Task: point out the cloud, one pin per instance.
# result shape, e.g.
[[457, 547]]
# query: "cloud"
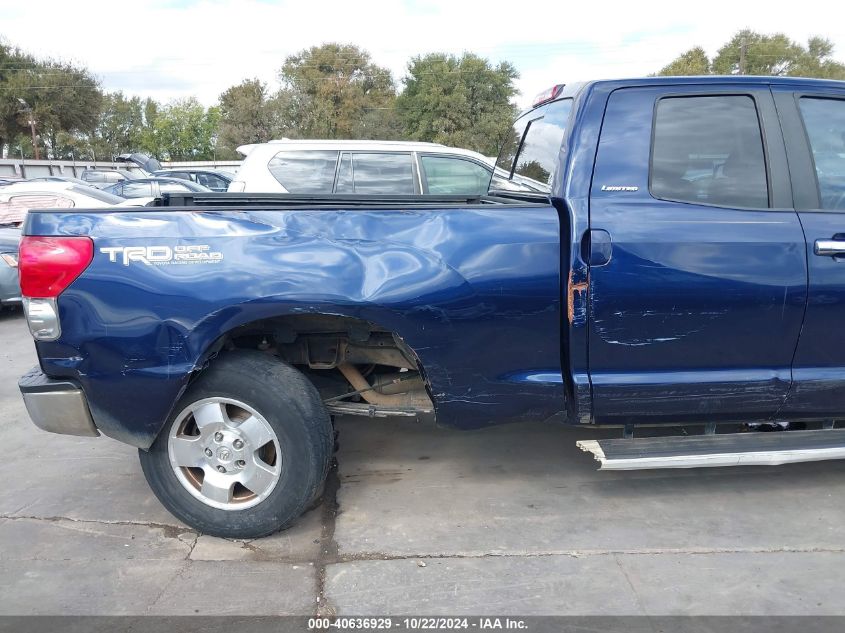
[[201, 47]]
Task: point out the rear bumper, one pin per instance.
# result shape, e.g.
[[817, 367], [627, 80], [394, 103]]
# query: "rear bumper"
[[58, 406]]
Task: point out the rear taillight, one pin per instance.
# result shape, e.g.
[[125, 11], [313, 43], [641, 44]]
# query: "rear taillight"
[[47, 266]]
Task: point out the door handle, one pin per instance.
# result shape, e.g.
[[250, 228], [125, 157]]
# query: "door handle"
[[829, 247]]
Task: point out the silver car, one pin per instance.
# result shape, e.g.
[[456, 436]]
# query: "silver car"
[[10, 291]]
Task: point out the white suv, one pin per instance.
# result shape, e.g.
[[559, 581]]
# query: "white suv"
[[369, 167]]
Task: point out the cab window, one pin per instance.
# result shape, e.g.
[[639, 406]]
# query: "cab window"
[[709, 150], [531, 150]]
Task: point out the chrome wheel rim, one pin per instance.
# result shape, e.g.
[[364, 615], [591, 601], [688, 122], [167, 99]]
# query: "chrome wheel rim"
[[225, 453]]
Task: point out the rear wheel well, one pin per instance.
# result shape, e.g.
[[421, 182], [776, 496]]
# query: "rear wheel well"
[[357, 366]]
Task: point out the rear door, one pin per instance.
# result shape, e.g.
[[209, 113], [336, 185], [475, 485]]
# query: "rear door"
[[697, 265], [814, 129]]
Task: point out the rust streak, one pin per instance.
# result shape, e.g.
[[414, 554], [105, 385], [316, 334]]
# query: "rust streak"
[[573, 288]]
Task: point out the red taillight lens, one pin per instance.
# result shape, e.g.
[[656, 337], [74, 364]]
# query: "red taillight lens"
[[48, 265]]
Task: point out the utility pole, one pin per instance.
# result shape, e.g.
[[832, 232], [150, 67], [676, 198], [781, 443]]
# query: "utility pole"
[[34, 142], [743, 46], [28, 110]]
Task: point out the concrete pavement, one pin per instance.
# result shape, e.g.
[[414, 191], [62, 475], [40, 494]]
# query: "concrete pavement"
[[418, 520]]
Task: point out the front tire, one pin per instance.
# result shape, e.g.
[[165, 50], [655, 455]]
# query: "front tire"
[[246, 449]]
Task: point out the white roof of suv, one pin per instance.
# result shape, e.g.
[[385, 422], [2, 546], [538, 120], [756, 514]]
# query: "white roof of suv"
[[394, 146], [254, 174]]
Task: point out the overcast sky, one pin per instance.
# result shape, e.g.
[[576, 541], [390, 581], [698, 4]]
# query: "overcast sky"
[[180, 48]]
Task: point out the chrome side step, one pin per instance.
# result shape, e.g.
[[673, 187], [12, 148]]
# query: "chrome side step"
[[730, 449]]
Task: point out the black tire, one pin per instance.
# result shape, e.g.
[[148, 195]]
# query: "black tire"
[[291, 406]]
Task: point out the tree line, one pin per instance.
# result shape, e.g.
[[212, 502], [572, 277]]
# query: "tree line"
[[332, 91]]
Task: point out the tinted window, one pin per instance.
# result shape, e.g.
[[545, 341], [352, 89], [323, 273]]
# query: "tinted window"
[[446, 175], [824, 120], [709, 150], [541, 132], [305, 172], [133, 189], [383, 173]]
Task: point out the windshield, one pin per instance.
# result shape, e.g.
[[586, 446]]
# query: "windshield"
[[530, 153]]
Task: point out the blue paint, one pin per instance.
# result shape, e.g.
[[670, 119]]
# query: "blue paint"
[[475, 292]]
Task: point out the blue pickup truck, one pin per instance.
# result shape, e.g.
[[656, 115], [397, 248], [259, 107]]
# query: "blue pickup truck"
[[669, 251]]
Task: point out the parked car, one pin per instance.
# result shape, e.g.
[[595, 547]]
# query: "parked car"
[[18, 198], [369, 167], [154, 187], [102, 178], [215, 180], [683, 264], [10, 289]]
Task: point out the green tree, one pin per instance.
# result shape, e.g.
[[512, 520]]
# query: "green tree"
[[462, 101], [249, 114], [693, 62], [63, 98], [773, 54], [336, 91], [14, 65], [60, 97], [120, 126], [181, 130]]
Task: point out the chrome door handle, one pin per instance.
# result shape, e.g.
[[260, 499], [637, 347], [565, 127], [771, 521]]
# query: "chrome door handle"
[[829, 247]]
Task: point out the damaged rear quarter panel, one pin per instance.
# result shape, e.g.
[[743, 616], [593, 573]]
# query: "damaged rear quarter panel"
[[474, 291]]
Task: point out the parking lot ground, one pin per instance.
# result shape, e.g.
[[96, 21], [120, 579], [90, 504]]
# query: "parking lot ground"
[[419, 520]]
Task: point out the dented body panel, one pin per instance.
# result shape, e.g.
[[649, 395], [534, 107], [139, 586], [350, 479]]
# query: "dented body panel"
[[474, 292]]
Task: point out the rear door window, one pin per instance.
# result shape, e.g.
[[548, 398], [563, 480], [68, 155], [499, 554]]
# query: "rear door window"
[[310, 171], [450, 175], [384, 173], [824, 120], [709, 150]]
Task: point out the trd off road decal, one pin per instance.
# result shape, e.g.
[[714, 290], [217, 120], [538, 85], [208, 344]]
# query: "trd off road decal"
[[163, 255]]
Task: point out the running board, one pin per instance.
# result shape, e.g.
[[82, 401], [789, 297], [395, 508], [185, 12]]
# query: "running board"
[[731, 449]]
